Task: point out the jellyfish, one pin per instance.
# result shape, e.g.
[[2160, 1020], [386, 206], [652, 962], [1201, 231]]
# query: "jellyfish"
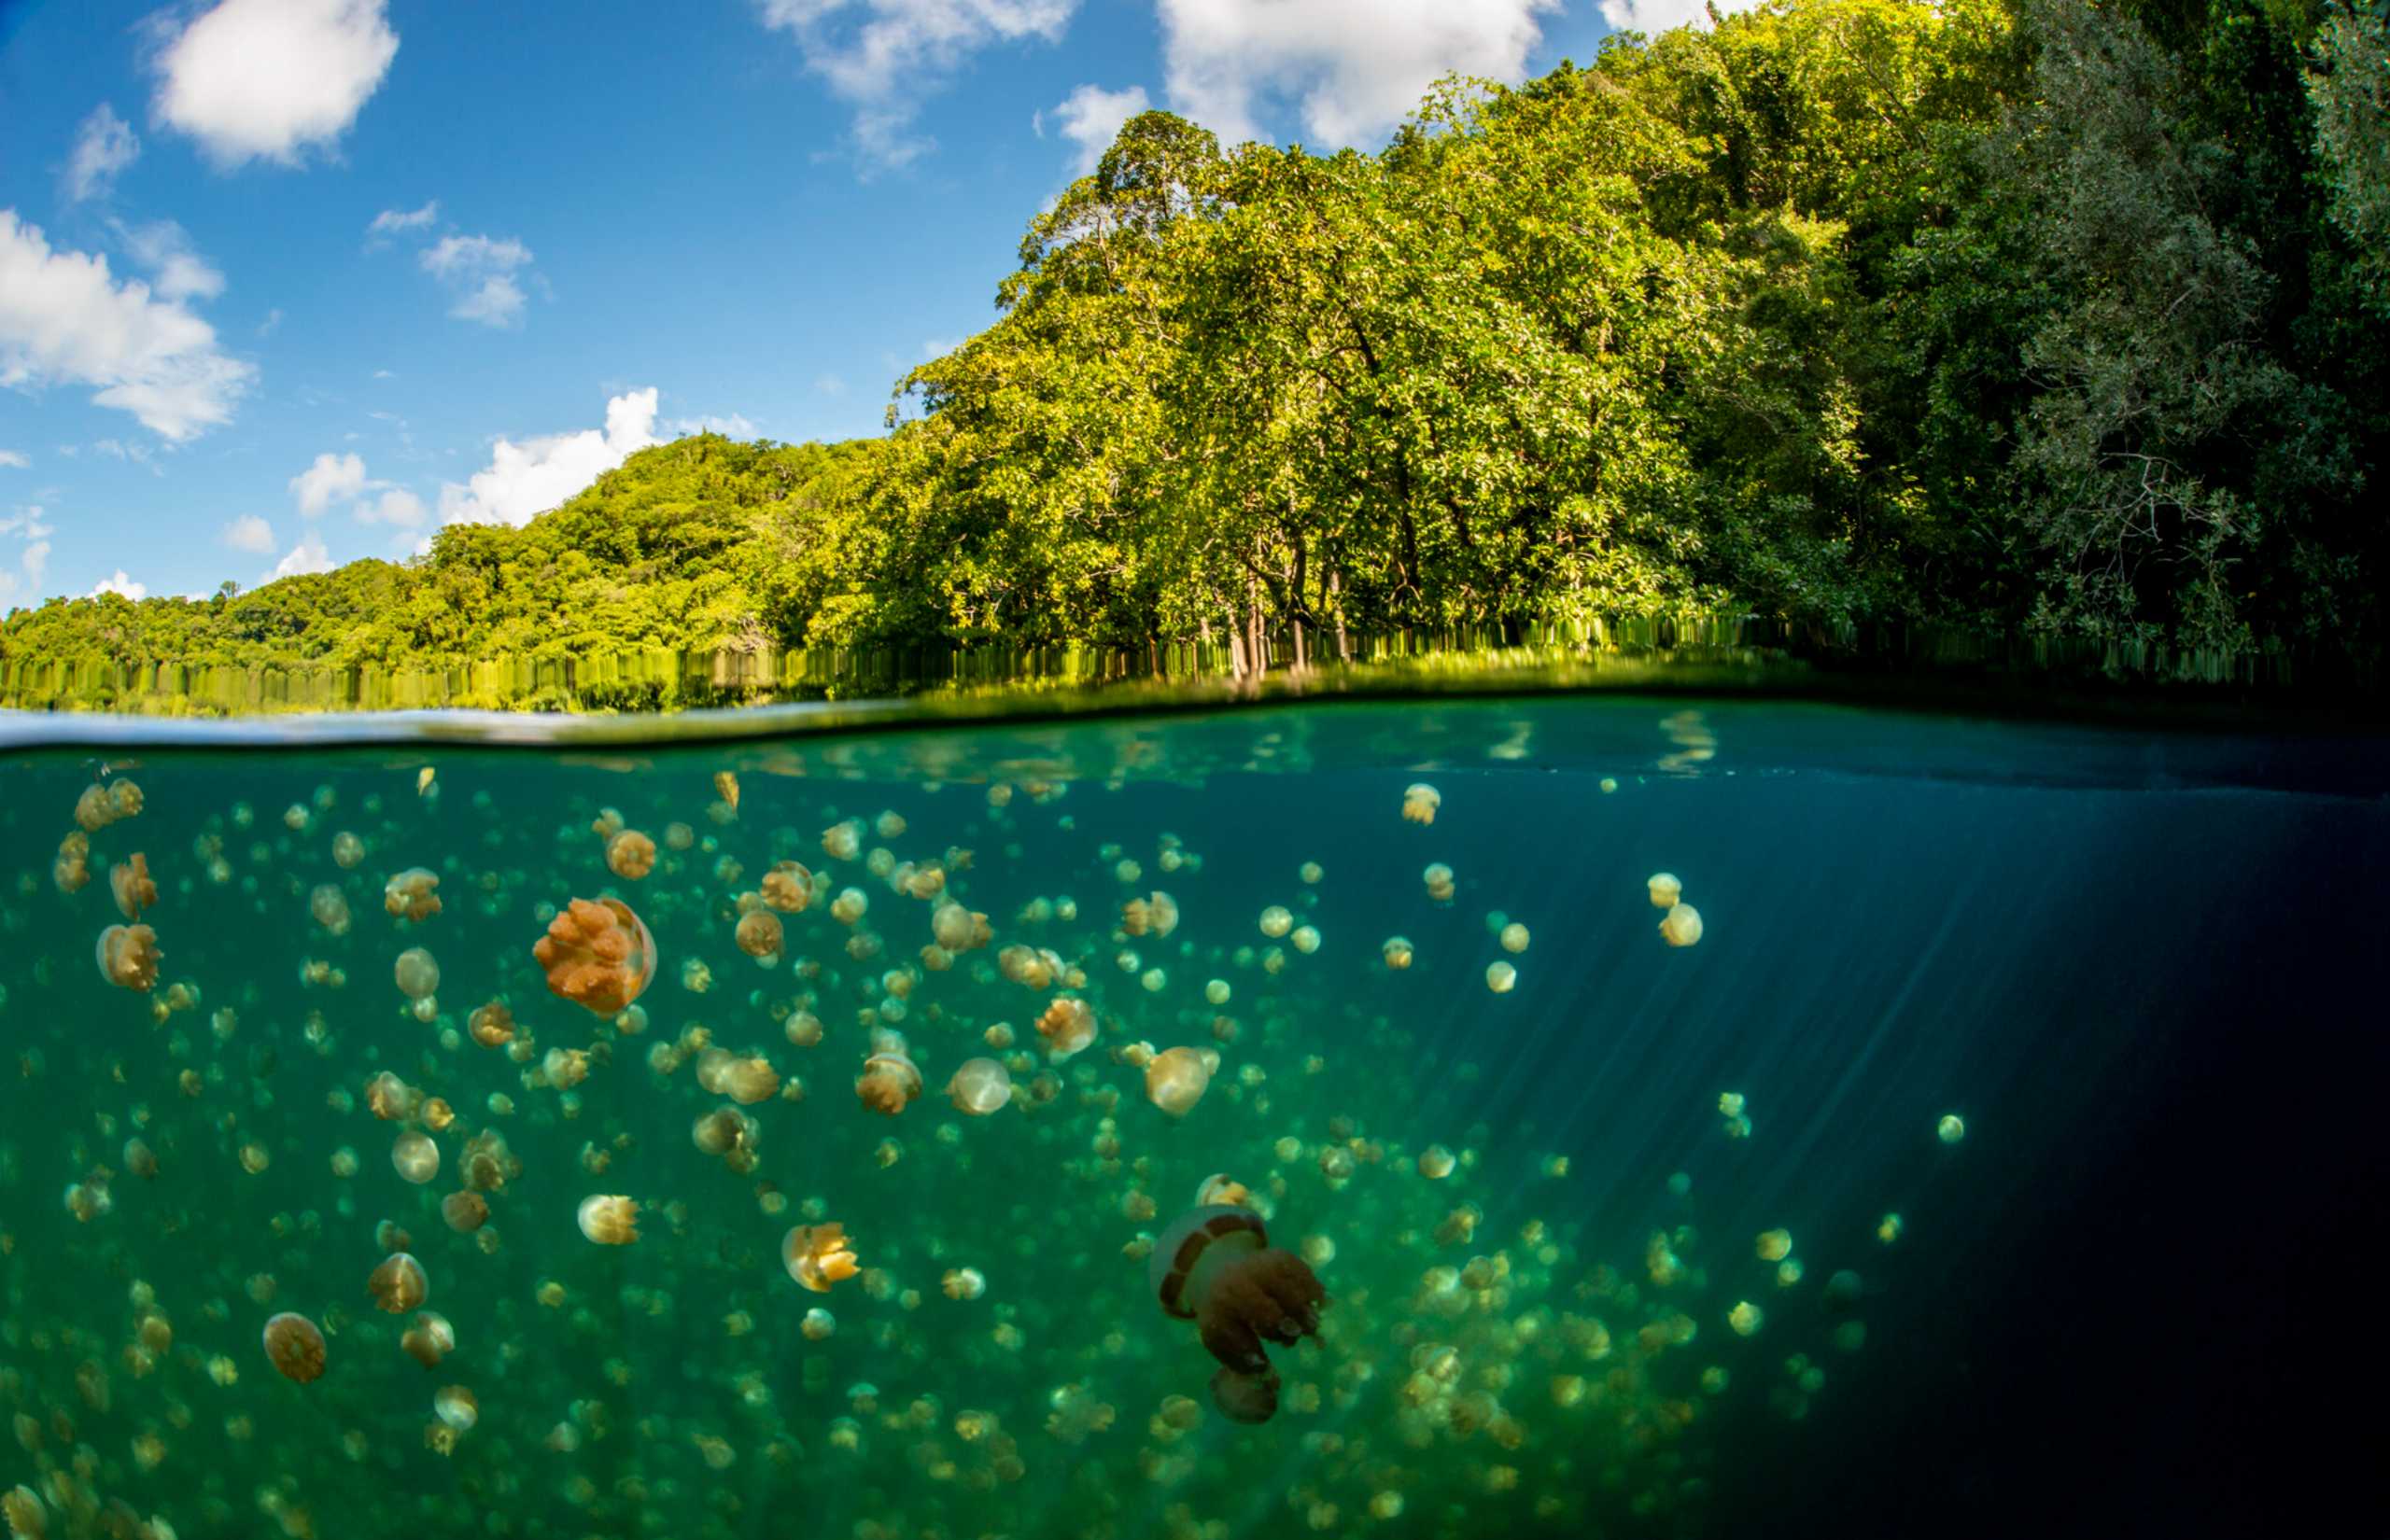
[[1951, 1130], [788, 887], [492, 1025], [399, 1284], [1067, 1026], [1665, 888], [1502, 977], [1176, 1080], [1439, 879], [1221, 1187], [1397, 952], [130, 883], [456, 1406], [431, 1340], [1276, 921], [749, 1080], [1214, 1265], [889, 1083], [465, 1211], [1420, 801], [296, 1346], [417, 973], [1514, 937], [1774, 1245], [964, 1283], [417, 1157], [610, 1220], [759, 936], [128, 957], [1682, 925], [598, 954], [1245, 1397], [981, 1087], [73, 867], [817, 1255], [725, 786], [958, 929], [413, 894], [629, 854], [1436, 1163], [330, 907], [841, 841]]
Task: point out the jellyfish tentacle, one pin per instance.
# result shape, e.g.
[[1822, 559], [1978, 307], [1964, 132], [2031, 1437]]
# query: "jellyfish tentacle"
[[1229, 1336]]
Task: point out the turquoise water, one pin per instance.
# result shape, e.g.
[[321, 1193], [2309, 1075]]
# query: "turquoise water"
[[2001, 1134]]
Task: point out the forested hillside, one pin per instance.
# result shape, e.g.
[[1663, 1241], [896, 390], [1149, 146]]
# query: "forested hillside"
[[2045, 317]]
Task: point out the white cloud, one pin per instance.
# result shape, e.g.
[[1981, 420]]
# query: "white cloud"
[[119, 584], [397, 506], [25, 523], [735, 425], [15, 458], [105, 145], [479, 272], [884, 56], [249, 533], [36, 562], [308, 555], [1355, 67], [265, 79], [176, 269], [332, 478], [829, 385], [529, 478], [1090, 118], [1657, 16], [272, 324], [117, 449], [392, 221], [63, 319]]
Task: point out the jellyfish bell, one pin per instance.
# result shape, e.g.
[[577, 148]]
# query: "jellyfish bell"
[[759, 934], [598, 954], [1214, 1265], [431, 1340], [788, 887], [889, 1083], [981, 1087], [1665, 890], [1221, 1188], [1067, 1026], [415, 1157], [296, 1347], [1245, 1397], [128, 957], [608, 1220], [1420, 801], [412, 894], [417, 974], [629, 854], [1682, 927], [130, 884], [399, 1284], [1176, 1080], [819, 1256]]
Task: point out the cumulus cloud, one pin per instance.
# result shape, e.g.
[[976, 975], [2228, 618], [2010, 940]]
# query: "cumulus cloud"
[[1091, 118], [249, 533], [480, 275], [1352, 68], [105, 145], [333, 478], [63, 319], [14, 459], [267, 79], [529, 478], [735, 425], [308, 555], [884, 56], [1656, 16], [119, 584], [176, 268], [397, 506], [394, 222]]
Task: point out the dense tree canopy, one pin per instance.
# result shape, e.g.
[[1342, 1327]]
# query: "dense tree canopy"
[[2039, 316]]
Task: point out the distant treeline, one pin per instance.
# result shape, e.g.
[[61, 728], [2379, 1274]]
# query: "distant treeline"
[[2042, 319]]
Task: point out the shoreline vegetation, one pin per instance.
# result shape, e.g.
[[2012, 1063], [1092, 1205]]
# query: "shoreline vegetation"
[[2043, 338]]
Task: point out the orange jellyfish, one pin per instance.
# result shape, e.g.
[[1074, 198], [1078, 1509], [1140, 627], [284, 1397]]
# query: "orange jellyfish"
[[399, 1284], [610, 1220], [598, 954], [631, 854], [296, 1347], [130, 884], [431, 1340], [1067, 1026], [1176, 1080], [413, 894], [128, 957], [817, 1255], [889, 1083], [788, 887], [1420, 801], [492, 1025], [759, 934], [1214, 1265], [1221, 1187]]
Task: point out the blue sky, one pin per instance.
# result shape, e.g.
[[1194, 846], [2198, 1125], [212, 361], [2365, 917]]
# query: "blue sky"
[[284, 282]]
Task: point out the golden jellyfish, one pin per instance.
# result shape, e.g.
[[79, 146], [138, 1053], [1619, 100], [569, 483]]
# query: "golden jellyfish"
[[1950, 1129], [1397, 952], [964, 1283], [843, 841], [390, 1098], [128, 957], [979, 1087], [1276, 921], [456, 1408], [1435, 1163], [1305, 940], [1746, 1317], [1774, 1245], [598, 954], [1221, 1187], [399, 1284], [1514, 937], [1439, 880], [417, 973], [725, 786], [1245, 1397], [1214, 1265], [1420, 801], [889, 1083], [1067, 1026], [413, 894], [130, 883], [465, 1211], [330, 907], [759, 934], [1682, 926], [629, 854], [609, 1219], [431, 1340], [819, 1256], [296, 1346], [417, 1157], [1176, 1079], [958, 929], [819, 1325], [73, 867], [788, 887], [1665, 890], [492, 1026], [749, 1080], [1502, 977]]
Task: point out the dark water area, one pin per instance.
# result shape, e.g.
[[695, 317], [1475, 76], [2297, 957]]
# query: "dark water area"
[[2049, 1050]]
